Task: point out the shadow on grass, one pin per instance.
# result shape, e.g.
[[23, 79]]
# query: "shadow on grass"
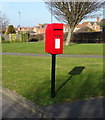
[[72, 44], [70, 89], [75, 71]]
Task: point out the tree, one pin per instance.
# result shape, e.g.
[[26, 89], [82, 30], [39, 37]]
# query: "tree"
[[3, 22], [72, 13], [11, 29]]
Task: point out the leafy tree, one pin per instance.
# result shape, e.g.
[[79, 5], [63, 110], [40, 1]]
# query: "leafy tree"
[[11, 29], [3, 22], [72, 13]]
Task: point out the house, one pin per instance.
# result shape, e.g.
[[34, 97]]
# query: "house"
[[41, 28], [95, 26], [85, 29], [66, 28], [25, 29]]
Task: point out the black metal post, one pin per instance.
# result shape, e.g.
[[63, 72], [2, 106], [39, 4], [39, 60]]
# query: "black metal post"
[[53, 76]]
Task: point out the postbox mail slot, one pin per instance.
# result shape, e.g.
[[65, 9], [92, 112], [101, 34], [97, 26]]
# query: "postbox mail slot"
[[58, 29]]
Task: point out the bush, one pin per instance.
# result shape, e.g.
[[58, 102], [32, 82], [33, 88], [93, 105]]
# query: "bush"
[[10, 29], [23, 37], [12, 37], [3, 40], [36, 38], [15, 38], [39, 37], [32, 38]]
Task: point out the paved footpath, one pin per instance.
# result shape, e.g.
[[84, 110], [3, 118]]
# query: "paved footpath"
[[14, 106], [48, 55]]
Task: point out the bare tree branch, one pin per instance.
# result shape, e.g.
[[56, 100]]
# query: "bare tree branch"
[[72, 13], [3, 22]]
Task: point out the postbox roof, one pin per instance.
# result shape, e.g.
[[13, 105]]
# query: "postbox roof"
[[56, 25]]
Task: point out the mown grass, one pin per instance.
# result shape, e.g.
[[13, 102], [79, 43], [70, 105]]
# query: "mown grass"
[[38, 48], [30, 77]]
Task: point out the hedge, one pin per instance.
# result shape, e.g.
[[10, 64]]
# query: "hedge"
[[87, 37]]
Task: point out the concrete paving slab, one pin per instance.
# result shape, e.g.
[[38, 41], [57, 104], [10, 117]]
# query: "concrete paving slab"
[[12, 109], [10, 112], [16, 107], [19, 107]]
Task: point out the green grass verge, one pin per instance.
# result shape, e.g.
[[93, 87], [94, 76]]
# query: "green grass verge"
[[30, 77], [38, 48]]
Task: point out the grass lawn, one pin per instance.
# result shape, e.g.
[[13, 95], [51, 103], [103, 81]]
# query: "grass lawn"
[[30, 76], [38, 48]]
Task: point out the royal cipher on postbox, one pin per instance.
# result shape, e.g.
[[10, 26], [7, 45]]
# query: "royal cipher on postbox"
[[54, 38]]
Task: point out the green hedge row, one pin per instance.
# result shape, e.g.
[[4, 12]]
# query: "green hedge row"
[[87, 37]]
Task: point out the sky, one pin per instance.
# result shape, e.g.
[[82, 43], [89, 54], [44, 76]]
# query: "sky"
[[31, 13]]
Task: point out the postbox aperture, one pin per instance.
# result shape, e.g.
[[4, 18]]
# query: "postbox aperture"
[[54, 38]]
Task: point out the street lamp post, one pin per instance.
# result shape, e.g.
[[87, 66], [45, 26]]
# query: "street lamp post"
[[19, 19]]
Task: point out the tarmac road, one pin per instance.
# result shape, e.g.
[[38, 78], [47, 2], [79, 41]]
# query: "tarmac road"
[[48, 55], [92, 108]]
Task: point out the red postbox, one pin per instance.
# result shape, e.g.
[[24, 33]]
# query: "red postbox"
[[54, 38]]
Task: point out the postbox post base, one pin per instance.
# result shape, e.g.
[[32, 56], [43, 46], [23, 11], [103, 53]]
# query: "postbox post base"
[[53, 76]]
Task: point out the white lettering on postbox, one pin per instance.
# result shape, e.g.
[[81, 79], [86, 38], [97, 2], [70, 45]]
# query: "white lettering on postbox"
[[57, 43]]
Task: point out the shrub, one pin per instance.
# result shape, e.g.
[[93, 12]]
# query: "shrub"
[[36, 38], [3, 40], [12, 37], [10, 29], [32, 38], [39, 37], [23, 37]]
